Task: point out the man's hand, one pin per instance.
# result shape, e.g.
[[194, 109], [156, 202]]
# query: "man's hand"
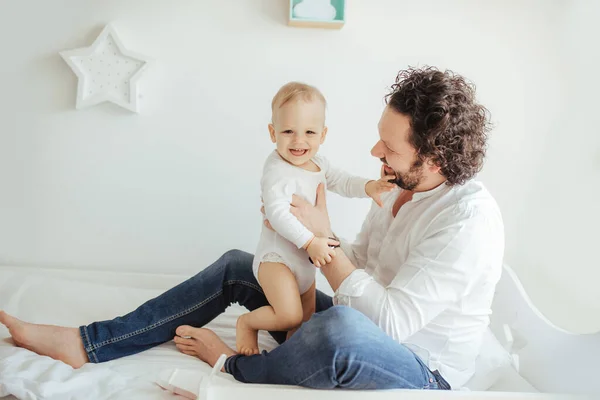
[[314, 218], [266, 221], [375, 188]]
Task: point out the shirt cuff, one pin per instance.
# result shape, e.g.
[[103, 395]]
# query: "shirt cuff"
[[353, 286], [305, 237], [361, 187]]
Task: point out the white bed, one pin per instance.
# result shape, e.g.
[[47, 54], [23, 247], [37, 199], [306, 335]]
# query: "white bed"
[[551, 363]]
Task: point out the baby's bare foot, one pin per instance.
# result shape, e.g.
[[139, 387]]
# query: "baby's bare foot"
[[246, 338], [60, 343], [202, 343]]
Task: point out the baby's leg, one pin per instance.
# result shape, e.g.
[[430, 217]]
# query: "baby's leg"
[[308, 301], [284, 312]]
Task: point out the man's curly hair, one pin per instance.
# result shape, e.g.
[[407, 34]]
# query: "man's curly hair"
[[448, 126]]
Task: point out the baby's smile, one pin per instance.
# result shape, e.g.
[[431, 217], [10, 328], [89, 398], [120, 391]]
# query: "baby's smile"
[[298, 152]]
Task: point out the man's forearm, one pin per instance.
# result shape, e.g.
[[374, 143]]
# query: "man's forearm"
[[338, 269]]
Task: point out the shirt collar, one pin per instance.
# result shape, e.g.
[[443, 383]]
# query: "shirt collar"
[[423, 195]]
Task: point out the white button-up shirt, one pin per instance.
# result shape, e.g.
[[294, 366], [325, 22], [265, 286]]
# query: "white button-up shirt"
[[427, 276]]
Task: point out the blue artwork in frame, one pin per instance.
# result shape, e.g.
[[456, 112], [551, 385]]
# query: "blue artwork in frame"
[[317, 13]]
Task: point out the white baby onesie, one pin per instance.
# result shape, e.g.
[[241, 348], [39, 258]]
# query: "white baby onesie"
[[279, 182]]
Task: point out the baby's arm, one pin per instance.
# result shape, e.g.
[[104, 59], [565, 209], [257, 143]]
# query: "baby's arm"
[[344, 184], [277, 196], [277, 192]]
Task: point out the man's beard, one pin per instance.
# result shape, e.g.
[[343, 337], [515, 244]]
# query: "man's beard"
[[408, 180]]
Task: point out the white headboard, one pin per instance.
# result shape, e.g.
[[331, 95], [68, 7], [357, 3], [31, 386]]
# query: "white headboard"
[[550, 358]]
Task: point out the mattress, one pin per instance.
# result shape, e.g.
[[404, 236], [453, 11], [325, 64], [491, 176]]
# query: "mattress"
[[73, 297]]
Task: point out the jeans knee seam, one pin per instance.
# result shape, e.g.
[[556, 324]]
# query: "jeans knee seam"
[[245, 283], [155, 325]]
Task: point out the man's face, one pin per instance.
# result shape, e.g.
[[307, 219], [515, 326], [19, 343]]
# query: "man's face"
[[393, 149]]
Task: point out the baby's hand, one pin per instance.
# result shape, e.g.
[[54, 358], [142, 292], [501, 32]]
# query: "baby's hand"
[[375, 188], [319, 251]]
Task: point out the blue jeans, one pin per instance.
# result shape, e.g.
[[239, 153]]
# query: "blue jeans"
[[337, 347]]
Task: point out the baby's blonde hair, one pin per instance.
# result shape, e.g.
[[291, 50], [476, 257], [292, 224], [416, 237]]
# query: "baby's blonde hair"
[[294, 90]]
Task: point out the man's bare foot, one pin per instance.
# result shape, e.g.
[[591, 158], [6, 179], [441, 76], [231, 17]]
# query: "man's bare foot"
[[202, 343], [246, 338], [60, 343]]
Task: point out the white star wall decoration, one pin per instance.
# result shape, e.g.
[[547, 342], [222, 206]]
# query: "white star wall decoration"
[[107, 71]]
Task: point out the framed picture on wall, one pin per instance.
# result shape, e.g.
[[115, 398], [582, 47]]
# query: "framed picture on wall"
[[329, 14]]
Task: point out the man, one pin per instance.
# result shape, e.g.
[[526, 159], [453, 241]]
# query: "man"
[[412, 293]]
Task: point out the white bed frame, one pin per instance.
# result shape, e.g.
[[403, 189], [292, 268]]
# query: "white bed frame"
[[553, 360]]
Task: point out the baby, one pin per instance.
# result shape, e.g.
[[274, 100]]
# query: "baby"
[[281, 263]]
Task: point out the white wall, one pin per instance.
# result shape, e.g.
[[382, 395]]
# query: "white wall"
[[172, 188]]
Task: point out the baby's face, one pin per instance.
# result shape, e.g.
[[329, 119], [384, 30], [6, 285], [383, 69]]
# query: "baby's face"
[[298, 129]]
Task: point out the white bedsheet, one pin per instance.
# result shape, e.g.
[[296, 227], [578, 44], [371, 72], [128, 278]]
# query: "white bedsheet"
[[73, 298]]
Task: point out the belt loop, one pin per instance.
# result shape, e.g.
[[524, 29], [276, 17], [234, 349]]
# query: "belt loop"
[[442, 384]]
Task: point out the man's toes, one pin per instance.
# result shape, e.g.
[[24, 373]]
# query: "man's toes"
[[6, 319], [186, 330], [180, 340], [184, 347], [188, 352]]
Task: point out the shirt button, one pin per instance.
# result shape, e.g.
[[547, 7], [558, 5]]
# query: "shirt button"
[[430, 380]]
